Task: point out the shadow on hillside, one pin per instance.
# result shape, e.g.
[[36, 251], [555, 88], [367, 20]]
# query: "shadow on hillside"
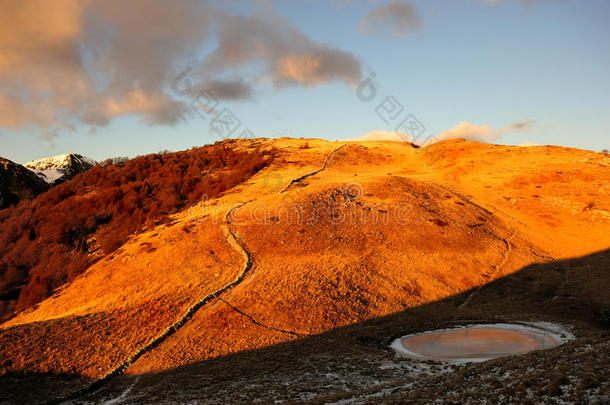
[[573, 292]]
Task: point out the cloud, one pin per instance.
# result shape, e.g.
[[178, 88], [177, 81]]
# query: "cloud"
[[381, 136], [465, 130], [68, 62], [524, 2], [286, 55], [483, 133], [394, 19], [153, 109], [233, 89], [64, 63], [320, 65]]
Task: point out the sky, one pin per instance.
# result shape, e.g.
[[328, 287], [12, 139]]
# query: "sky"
[[114, 78]]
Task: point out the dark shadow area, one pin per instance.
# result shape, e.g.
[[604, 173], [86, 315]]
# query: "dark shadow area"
[[574, 293], [26, 388]]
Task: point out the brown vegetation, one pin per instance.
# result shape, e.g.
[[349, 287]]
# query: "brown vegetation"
[[50, 240]]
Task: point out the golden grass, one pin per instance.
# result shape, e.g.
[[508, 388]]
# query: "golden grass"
[[314, 269]]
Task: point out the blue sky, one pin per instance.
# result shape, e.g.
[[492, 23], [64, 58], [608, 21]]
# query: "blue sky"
[[488, 64]]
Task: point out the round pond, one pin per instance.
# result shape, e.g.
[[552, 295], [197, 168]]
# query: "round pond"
[[481, 342]]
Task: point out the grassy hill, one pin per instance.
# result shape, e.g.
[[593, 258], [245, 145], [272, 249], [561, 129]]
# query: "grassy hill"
[[296, 279]]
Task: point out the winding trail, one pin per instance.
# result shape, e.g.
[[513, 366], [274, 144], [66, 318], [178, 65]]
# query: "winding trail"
[[300, 179], [173, 328], [463, 198], [497, 269], [254, 321]]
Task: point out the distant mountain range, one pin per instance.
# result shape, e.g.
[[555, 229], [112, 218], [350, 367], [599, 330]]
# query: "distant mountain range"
[[26, 181]]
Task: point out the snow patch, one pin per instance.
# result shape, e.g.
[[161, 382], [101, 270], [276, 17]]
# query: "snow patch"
[[54, 168]]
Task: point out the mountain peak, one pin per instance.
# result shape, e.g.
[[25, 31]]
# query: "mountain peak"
[[60, 168]]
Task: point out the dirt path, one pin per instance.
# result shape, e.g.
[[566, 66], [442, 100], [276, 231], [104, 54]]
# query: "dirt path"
[[254, 321], [247, 266], [292, 182], [496, 270], [300, 179]]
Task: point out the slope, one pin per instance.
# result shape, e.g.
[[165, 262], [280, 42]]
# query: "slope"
[[368, 230], [18, 183]]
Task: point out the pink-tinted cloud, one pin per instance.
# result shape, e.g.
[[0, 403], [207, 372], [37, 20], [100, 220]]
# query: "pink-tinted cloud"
[[70, 62], [483, 133], [286, 55], [382, 136], [466, 130], [395, 19]]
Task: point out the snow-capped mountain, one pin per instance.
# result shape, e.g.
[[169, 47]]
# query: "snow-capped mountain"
[[60, 168], [17, 183]]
